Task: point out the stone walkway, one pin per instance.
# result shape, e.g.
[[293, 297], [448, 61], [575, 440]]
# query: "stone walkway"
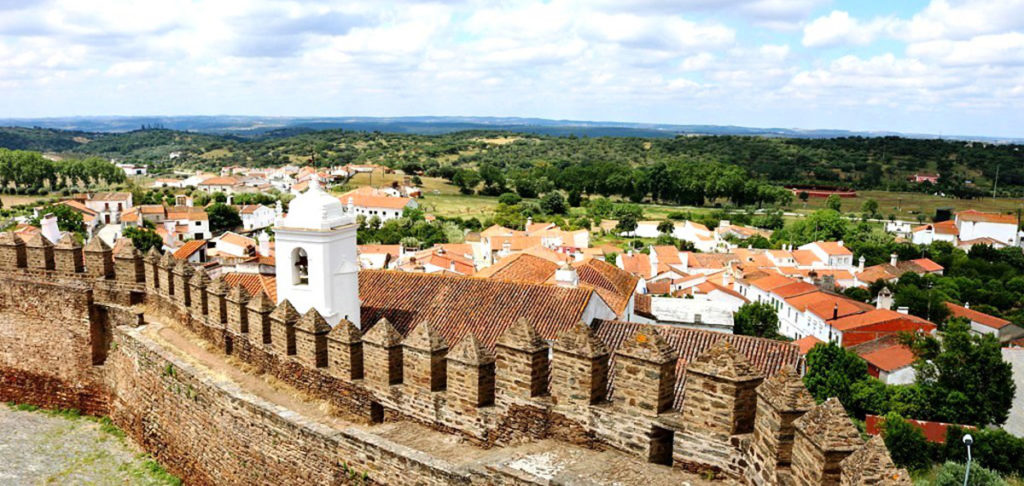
[[38, 448]]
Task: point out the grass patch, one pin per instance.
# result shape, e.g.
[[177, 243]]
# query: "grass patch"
[[147, 471]]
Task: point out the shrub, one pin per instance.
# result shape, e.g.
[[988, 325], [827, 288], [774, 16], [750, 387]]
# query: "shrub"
[[509, 199], [906, 443], [952, 474]]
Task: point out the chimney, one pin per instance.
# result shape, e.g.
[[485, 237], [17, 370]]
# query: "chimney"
[[884, 299], [967, 305], [264, 241], [169, 228], [835, 311], [566, 276], [685, 259], [893, 258], [351, 205], [529, 221], [903, 310], [840, 242], [860, 264], [654, 261], [49, 227]]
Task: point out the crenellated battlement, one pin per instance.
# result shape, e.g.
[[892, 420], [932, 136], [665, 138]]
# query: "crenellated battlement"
[[732, 419]]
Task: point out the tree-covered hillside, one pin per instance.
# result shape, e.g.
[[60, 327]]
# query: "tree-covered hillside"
[[967, 169]]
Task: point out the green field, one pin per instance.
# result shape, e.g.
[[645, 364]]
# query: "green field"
[[444, 199]]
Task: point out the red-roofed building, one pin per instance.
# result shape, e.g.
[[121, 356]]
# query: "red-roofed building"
[[806, 343], [888, 360], [982, 323], [369, 202], [867, 326], [973, 224]]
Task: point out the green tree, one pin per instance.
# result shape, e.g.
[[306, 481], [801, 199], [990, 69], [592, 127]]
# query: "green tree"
[[553, 203], [804, 195], [666, 227], [832, 371], [833, 202], [467, 180], [870, 207], [627, 223], [966, 377], [223, 217], [906, 443], [143, 238], [575, 198], [756, 319], [509, 199]]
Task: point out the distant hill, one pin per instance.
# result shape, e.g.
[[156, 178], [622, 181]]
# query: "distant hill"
[[257, 127]]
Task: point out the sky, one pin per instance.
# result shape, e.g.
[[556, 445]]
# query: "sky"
[[952, 67]]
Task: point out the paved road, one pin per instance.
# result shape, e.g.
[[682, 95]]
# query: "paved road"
[[38, 448]]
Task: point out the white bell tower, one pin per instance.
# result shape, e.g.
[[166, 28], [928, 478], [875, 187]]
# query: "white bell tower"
[[317, 265]]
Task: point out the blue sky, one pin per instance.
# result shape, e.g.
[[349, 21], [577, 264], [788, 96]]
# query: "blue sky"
[[921, 66]]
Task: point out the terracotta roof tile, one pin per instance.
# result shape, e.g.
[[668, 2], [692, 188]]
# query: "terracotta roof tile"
[[520, 267], [975, 316], [460, 305], [254, 283], [981, 217], [188, 249]]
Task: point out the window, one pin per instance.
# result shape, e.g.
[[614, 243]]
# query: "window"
[[300, 267]]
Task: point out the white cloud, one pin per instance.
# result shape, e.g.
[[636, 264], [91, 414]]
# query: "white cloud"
[[725, 61], [838, 28]]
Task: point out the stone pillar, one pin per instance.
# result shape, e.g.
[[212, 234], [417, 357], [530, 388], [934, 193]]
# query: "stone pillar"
[[166, 268], [99, 259], [40, 252], [579, 367], [197, 286], [67, 255], [645, 373], [871, 465], [423, 359], [216, 305], [345, 351], [471, 373], [129, 265], [720, 392], [521, 362], [182, 275], [825, 436], [781, 399], [282, 328], [258, 313], [311, 339], [12, 251], [382, 355], [152, 275], [238, 314]]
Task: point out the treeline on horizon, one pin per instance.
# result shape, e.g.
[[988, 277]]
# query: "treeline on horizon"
[[632, 167]]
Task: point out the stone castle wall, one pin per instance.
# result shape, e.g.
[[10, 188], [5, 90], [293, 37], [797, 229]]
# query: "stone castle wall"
[[208, 433]]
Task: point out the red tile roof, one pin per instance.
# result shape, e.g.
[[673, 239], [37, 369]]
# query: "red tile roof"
[[219, 181], [520, 267], [253, 283], [459, 305], [833, 248], [975, 316], [364, 200], [927, 265], [943, 228], [613, 284], [980, 217], [767, 355], [188, 249], [886, 353], [771, 282], [874, 316], [794, 289], [806, 343], [637, 264]]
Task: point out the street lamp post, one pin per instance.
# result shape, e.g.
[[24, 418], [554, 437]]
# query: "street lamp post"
[[968, 440]]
